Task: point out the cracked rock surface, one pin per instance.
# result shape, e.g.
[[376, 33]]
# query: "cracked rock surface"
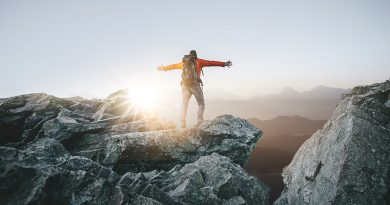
[[348, 160], [77, 151]]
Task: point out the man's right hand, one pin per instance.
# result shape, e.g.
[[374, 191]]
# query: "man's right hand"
[[160, 68], [228, 64]]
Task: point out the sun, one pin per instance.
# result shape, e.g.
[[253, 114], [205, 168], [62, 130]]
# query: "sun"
[[143, 98]]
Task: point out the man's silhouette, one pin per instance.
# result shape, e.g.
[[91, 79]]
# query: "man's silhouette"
[[191, 83]]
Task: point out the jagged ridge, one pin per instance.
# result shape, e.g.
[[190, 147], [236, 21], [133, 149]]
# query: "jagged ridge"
[[75, 151]]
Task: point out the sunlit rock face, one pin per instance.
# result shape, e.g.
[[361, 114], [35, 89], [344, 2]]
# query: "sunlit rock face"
[[153, 144], [116, 104], [111, 151], [348, 161]]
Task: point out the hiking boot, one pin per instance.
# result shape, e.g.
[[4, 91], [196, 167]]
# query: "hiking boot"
[[198, 123]]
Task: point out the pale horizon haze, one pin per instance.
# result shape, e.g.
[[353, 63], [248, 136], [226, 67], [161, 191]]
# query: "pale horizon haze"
[[92, 48]]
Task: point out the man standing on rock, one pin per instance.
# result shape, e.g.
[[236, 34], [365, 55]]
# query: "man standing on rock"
[[191, 83]]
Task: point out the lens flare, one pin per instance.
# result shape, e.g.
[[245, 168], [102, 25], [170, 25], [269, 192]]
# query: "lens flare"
[[143, 98]]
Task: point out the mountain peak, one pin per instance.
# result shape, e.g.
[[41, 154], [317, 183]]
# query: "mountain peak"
[[325, 88], [288, 90]]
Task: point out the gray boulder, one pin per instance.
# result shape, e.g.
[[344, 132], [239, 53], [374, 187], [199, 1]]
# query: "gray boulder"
[[163, 149], [215, 179], [212, 179], [348, 161]]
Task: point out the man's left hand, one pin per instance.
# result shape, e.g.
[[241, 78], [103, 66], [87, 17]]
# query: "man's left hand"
[[160, 68]]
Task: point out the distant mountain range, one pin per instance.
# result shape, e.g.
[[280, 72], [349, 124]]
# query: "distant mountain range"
[[282, 136], [319, 92], [317, 103]]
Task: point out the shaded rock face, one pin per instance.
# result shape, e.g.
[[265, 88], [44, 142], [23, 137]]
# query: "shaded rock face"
[[212, 179], [22, 117], [348, 161], [77, 151], [45, 173]]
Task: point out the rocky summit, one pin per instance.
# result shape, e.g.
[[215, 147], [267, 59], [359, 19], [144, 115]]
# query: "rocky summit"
[[348, 161], [111, 151]]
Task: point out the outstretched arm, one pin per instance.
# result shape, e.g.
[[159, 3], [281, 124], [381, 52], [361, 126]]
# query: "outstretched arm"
[[170, 67], [207, 63]]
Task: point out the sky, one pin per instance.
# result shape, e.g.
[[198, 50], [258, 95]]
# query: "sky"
[[93, 48]]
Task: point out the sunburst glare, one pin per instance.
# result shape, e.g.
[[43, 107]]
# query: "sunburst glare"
[[144, 98]]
